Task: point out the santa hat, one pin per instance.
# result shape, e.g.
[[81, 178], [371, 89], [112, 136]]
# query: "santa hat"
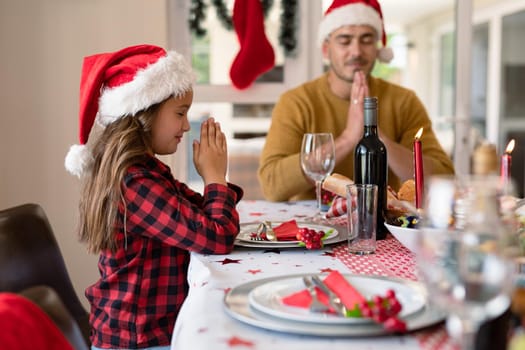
[[122, 83], [355, 12]]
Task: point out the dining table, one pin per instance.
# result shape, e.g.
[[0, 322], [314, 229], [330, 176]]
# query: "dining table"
[[212, 316]]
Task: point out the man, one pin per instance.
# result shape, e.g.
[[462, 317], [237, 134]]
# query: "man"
[[349, 35]]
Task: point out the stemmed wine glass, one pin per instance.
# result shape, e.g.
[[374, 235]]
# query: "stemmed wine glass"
[[461, 253], [317, 162]]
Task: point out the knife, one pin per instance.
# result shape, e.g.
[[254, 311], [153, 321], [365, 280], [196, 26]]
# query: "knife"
[[333, 299]]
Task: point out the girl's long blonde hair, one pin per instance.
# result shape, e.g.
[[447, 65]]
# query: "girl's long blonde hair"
[[122, 143]]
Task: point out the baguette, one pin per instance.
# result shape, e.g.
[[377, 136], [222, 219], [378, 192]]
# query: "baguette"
[[336, 183]]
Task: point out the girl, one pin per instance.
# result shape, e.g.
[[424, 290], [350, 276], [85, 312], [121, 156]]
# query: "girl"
[[142, 221]]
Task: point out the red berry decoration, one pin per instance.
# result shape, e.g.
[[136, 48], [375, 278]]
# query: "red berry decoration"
[[311, 238], [383, 310]]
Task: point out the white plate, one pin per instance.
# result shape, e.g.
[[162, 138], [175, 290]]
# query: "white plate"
[[267, 298], [407, 236], [245, 234], [236, 304]]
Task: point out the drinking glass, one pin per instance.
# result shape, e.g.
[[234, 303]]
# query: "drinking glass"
[[461, 254], [317, 162]]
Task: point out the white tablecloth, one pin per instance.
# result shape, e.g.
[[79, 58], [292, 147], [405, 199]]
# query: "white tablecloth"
[[204, 324]]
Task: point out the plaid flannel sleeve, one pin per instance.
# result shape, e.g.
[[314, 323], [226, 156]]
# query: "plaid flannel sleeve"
[[162, 209]]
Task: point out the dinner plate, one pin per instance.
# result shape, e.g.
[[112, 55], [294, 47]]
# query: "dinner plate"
[[267, 298], [236, 304], [246, 230]]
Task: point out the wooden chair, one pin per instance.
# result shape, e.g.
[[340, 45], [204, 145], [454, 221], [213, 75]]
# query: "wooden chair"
[[30, 256]]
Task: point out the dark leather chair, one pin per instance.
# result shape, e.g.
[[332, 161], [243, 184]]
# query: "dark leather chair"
[[30, 256], [49, 301]]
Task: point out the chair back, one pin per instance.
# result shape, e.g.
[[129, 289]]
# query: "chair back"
[[30, 256], [49, 301]]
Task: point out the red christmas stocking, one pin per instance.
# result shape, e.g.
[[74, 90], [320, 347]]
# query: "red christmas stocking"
[[256, 55]]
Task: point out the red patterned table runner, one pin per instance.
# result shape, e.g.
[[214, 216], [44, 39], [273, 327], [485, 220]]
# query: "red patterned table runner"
[[393, 259]]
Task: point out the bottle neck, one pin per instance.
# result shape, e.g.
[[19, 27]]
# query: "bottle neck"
[[370, 130]]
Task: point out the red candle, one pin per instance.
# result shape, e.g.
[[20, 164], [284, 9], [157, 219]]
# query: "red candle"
[[418, 168], [506, 160]]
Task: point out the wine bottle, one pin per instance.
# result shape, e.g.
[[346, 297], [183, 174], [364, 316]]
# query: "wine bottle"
[[370, 162]]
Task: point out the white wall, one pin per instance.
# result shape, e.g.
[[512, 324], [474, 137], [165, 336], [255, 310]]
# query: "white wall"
[[42, 44]]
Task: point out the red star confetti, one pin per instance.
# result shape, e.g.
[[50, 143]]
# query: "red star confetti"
[[256, 214], [229, 261], [254, 272], [226, 290], [236, 341], [327, 270]]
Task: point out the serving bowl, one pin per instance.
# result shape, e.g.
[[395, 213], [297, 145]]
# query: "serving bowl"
[[407, 236]]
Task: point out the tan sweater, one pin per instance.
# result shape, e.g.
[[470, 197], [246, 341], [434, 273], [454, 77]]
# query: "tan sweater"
[[312, 107]]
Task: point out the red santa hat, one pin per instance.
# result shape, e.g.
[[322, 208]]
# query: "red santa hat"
[[122, 83], [355, 12]]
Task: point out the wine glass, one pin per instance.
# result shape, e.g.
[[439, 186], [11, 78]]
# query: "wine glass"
[[461, 253], [317, 162]]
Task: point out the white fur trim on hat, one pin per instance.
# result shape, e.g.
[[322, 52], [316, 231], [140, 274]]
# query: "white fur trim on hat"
[[351, 14], [78, 159], [170, 75]]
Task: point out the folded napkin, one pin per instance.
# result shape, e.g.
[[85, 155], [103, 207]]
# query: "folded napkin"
[[336, 283], [287, 231], [338, 207]]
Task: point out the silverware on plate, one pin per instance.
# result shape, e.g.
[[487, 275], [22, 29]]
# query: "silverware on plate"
[[315, 305], [258, 233], [266, 229], [333, 299]]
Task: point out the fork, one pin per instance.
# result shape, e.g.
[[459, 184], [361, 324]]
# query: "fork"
[[258, 232], [315, 305]]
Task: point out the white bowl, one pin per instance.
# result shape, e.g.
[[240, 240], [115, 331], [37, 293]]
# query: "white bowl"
[[407, 236]]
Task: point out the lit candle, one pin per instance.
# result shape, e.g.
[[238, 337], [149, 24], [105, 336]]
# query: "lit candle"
[[418, 168], [506, 160]]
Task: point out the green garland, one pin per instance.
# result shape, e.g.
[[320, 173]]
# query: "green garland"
[[288, 20]]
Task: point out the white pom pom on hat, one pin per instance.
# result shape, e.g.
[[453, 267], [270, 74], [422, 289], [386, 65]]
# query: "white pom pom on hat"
[[355, 12], [78, 159], [121, 83]]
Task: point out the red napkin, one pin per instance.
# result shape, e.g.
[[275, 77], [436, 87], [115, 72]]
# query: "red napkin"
[[337, 284], [287, 231]]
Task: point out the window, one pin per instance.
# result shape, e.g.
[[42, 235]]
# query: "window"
[[424, 42]]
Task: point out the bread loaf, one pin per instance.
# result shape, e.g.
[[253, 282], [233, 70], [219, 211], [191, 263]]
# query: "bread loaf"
[[336, 183], [407, 192]]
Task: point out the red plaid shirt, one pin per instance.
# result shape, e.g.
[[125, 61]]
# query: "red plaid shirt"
[[135, 302]]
